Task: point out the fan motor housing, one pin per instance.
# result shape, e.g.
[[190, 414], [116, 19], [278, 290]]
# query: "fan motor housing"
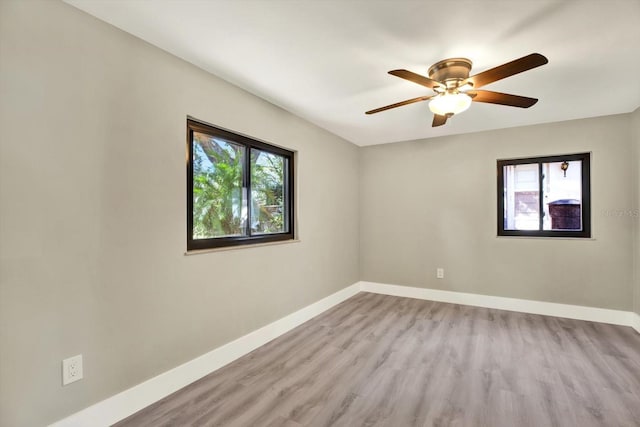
[[450, 69]]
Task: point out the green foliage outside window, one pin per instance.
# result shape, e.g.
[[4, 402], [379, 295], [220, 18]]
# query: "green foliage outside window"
[[267, 178], [217, 188], [219, 200]]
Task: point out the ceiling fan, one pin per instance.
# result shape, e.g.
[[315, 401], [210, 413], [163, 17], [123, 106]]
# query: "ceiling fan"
[[455, 90]]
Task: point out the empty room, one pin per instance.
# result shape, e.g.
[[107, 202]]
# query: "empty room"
[[287, 213]]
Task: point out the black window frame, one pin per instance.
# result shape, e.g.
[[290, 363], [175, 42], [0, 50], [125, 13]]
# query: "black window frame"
[[586, 195], [194, 125]]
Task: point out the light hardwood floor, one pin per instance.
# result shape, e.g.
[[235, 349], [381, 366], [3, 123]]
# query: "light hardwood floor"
[[378, 360]]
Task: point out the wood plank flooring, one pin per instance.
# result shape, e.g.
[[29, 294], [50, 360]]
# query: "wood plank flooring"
[[378, 360]]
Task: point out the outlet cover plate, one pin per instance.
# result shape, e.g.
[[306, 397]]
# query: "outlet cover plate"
[[440, 273], [72, 369]]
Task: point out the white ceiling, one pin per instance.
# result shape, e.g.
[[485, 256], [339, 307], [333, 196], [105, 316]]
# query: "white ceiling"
[[327, 60]]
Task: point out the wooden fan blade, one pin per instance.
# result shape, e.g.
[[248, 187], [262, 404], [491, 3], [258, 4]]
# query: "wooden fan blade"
[[501, 98], [399, 104], [416, 78], [506, 70], [438, 120]]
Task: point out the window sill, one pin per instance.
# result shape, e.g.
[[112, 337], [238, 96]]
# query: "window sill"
[[234, 248], [546, 238]]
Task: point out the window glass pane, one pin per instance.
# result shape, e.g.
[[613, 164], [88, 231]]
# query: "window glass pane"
[[521, 197], [219, 199], [268, 193], [562, 187]]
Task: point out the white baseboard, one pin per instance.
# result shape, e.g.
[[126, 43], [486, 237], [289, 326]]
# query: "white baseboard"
[[128, 402], [593, 314], [635, 322]]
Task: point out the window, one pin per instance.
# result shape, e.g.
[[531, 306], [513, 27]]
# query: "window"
[[239, 190], [545, 196]]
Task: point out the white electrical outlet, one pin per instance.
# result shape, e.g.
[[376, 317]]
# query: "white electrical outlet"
[[440, 273], [72, 369]]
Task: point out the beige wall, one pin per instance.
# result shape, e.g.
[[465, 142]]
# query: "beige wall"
[[635, 132], [92, 214], [432, 203]]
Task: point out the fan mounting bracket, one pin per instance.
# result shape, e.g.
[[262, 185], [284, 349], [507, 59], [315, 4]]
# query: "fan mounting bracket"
[[452, 70]]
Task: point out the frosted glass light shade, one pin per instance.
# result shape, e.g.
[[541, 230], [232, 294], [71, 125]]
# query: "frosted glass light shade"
[[449, 103]]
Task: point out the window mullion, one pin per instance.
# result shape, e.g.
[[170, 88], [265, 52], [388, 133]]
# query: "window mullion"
[[247, 181], [540, 197]]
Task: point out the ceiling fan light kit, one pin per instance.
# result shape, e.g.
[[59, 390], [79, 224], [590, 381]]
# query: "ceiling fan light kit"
[[455, 90], [448, 104]]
